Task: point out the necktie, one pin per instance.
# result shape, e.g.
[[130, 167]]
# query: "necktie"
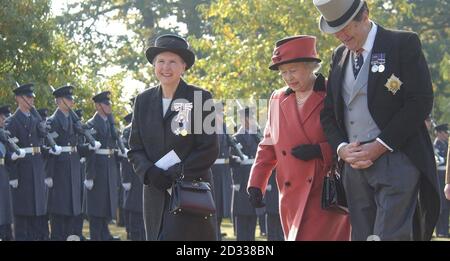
[[358, 61]]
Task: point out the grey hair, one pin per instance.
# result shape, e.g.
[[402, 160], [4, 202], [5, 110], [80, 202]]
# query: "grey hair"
[[314, 66]]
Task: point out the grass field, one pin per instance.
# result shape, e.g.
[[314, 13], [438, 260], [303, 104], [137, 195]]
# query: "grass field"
[[227, 228]]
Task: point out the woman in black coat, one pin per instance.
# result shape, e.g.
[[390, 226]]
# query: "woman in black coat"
[[172, 116]]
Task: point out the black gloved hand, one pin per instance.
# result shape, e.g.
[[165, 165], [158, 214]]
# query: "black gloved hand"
[[255, 196], [307, 152], [174, 172], [157, 178]]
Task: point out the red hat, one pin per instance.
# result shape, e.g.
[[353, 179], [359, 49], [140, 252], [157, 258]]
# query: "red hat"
[[300, 48]]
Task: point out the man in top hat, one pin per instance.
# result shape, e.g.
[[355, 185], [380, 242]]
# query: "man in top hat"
[[27, 174], [5, 194], [63, 170], [441, 148], [379, 94], [243, 212], [133, 187], [101, 171]]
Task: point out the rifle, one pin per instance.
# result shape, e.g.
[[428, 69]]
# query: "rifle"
[[258, 129], [48, 136], [5, 137], [115, 133], [78, 125], [236, 145]]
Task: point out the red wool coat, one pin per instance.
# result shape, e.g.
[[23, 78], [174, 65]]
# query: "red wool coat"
[[299, 182]]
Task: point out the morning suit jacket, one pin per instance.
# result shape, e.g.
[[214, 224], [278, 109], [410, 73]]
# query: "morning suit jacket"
[[152, 137], [400, 116]]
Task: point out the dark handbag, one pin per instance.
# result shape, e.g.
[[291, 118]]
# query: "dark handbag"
[[193, 197], [333, 193]]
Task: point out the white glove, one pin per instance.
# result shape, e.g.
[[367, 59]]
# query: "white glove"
[[237, 159], [89, 184], [49, 182], [16, 156], [123, 155], [55, 151], [14, 183], [126, 186], [96, 147], [82, 160], [447, 191]]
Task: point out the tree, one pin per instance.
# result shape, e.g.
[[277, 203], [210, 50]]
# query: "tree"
[[239, 49], [144, 19], [430, 20]]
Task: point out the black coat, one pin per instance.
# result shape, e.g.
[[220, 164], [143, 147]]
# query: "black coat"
[[152, 137], [29, 198], [64, 198], [102, 199], [132, 198], [400, 117]]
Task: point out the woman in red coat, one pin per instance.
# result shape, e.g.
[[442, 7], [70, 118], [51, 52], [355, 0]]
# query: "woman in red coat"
[[295, 144]]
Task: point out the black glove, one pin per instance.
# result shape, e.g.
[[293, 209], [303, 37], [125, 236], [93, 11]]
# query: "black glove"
[[255, 196], [307, 152], [174, 172], [157, 178]]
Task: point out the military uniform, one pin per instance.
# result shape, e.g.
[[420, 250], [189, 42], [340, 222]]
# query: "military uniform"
[[243, 212], [222, 180], [29, 196], [133, 203], [79, 220], [64, 200], [273, 222], [101, 168], [441, 147], [5, 193]]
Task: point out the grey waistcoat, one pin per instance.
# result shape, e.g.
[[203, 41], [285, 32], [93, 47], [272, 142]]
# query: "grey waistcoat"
[[358, 121]]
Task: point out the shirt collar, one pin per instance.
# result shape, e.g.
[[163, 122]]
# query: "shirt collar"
[[368, 44]]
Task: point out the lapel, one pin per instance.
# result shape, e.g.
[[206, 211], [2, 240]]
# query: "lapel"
[[310, 106], [340, 70], [99, 123], [61, 120], [180, 93], [289, 108], [361, 79], [23, 120], [382, 44], [314, 100]]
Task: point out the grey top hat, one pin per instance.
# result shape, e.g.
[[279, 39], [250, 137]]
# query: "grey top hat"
[[336, 14]]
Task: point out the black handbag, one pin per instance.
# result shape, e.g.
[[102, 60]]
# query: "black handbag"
[[333, 193], [193, 197]]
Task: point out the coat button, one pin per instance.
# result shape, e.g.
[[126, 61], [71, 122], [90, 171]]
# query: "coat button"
[[309, 179], [287, 184], [284, 153]]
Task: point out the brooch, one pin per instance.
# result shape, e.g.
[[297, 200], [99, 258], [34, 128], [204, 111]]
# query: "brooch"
[[182, 118], [393, 84]]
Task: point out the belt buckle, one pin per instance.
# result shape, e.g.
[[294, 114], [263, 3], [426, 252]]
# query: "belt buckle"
[[33, 150]]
